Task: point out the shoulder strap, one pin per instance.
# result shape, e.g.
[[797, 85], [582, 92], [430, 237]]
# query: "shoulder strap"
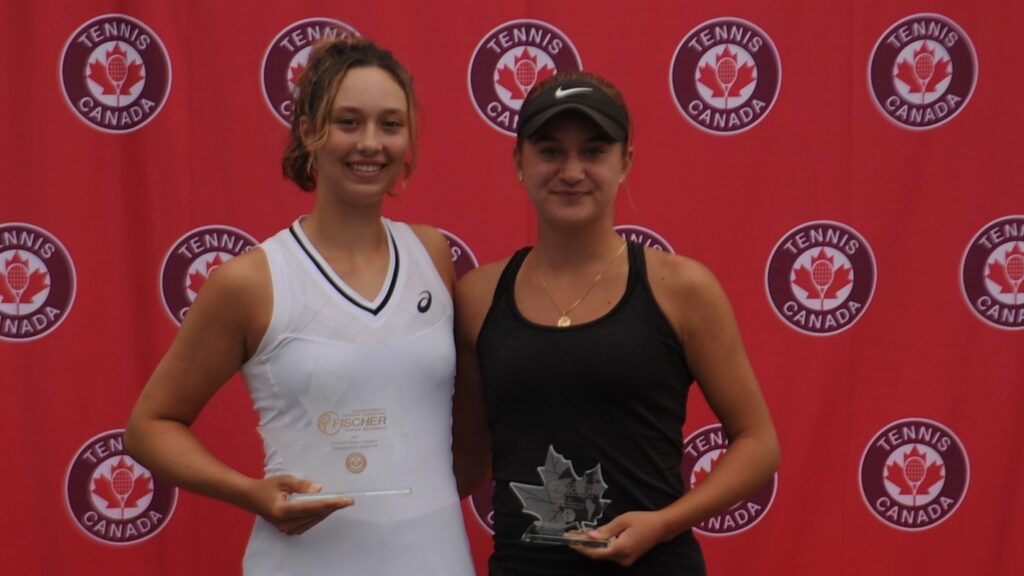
[[637, 265], [508, 276]]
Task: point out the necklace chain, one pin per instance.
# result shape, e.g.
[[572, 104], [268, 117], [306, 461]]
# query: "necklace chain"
[[564, 321]]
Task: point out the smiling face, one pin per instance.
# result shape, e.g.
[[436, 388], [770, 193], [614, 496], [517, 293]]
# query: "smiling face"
[[368, 137], [572, 170]]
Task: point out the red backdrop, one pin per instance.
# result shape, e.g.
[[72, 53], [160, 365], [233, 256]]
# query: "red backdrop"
[[848, 169]]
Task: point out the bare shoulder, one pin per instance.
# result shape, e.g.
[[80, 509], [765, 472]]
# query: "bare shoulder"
[[679, 275], [438, 249], [430, 236], [242, 276], [237, 298], [688, 293], [480, 283]]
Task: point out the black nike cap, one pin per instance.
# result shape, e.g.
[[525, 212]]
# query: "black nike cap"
[[577, 94]]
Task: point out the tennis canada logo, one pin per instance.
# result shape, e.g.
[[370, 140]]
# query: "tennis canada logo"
[[725, 76], [462, 257], [37, 282], [115, 73], [111, 497], [287, 56], [482, 503], [914, 474], [922, 71], [192, 259], [820, 277], [992, 273], [644, 236], [510, 60], [701, 452]]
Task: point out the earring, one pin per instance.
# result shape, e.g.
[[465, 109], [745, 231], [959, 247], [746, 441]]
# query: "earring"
[[519, 175]]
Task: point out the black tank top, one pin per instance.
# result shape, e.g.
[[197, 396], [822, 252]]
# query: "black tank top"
[[610, 392]]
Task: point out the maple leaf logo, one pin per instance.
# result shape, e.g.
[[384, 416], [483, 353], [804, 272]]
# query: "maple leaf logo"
[[115, 74], [122, 489], [295, 72], [197, 279], [523, 75], [565, 501], [699, 474], [727, 77], [822, 280], [1008, 274], [915, 475], [19, 284], [923, 74]]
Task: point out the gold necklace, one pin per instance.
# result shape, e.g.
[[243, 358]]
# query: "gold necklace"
[[564, 321]]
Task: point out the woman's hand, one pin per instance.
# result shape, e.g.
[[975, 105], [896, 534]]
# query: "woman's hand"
[[269, 497], [632, 534]]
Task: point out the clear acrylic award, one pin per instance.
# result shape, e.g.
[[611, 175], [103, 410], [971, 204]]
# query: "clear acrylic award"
[[332, 494], [353, 445], [565, 505]]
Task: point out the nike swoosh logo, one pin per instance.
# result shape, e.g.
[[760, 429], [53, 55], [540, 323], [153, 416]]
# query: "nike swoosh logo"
[[563, 92]]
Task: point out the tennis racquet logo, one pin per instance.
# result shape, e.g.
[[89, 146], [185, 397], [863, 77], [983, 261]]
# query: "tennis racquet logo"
[[37, 282], [992, 273], [111, 497], [922, 71], [509, 61], [914, 474], [725, 76], [820, 277], [115, 73]]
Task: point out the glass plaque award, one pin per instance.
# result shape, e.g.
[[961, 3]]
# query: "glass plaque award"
[[565, 505], [332, 494], [353, 444]]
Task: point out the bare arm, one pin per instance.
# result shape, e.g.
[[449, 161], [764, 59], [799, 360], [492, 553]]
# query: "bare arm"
[[697, 306], [223, 327], [471, 434]]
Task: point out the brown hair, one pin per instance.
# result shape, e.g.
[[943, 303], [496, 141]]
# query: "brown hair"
[[569, 75], [329, 61]]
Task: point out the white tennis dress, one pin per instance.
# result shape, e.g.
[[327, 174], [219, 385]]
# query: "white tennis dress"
[[356, 395]]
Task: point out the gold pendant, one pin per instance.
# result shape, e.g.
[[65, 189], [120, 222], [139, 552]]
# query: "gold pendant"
[[564, 321]]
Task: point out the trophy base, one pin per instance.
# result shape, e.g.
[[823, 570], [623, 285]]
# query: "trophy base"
[[566, 539], [331, 495]]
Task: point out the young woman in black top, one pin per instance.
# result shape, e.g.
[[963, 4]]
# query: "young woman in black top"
[[575, 358]]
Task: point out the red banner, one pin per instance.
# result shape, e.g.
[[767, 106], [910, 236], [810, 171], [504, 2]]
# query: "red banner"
[[848, 170]]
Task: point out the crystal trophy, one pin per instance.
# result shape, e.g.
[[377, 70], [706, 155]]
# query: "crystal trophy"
[[353, 444], [565, 505]]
